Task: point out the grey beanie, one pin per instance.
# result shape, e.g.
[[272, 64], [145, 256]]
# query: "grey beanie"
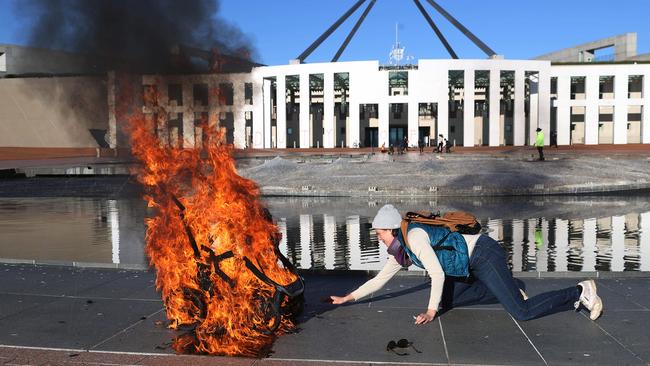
[[387, 218]]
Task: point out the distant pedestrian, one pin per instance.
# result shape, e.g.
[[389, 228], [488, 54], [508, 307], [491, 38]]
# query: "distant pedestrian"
[[405, 144], [441, 143], [488, 280], [539, 143], [421, 145], [448, 146]]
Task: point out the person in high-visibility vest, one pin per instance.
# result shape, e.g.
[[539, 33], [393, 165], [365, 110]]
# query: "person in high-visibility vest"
[[539, 143]]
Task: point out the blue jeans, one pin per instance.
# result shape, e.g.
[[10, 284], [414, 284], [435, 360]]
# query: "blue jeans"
[[493, 282]]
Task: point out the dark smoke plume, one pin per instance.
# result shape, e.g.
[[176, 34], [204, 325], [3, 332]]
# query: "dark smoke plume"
[[136, 35]]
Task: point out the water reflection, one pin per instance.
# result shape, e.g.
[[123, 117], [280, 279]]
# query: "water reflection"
[[70, 229], [540, 234], [342, 240]]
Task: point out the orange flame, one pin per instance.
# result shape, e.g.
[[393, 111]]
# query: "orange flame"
[[209, 229]]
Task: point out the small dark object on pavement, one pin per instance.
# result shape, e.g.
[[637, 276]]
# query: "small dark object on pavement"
[[402, 343]]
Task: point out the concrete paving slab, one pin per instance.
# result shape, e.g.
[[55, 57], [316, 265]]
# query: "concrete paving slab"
[[73, 323], [151, 335], [14, 304], [635, 290], [630, 329], [481, 337], [353, 333], [53, 280], [133, 285], [568, 338]]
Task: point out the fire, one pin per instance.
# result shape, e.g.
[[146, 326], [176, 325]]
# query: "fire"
[[214, 247]]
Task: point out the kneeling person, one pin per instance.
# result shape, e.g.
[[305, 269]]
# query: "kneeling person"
[[478, 257]]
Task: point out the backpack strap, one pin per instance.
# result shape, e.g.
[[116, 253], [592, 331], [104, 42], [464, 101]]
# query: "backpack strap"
[[403, 228], [436, 246]]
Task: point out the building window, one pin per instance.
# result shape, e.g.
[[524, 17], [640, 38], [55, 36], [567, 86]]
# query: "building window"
[[398, 82], [248, 93], [175, 94], [606, 87], [200, 94], [635, 86], [554, 86], [3, 62], [578, 87], [226, 94]]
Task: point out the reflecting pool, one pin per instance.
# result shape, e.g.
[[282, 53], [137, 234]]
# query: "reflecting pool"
[[562, 233]]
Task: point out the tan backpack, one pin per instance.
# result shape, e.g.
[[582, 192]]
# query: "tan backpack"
[[455, 221]]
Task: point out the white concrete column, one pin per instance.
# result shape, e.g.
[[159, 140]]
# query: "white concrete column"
[[305, 132], [534, 109], [413, 117], [591, 110], [306, 228], [544, 114], [111, 134], [563, 110], [589, 245], [268, 111], [239, 122], [618, 243], [329, 228], [328, 113], [352, 127], [188, 114], [561, 244], [519, 112], [383, 123], [620, 108], [644, 239], [443, 116], [495, 107], [645, 112], [517, 244], [259, 106], [353, 227], [468, 108], [281, 121]]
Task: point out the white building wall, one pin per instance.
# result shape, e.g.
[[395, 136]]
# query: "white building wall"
[[305, 131], [468, 107], [563, 110], [427, 84], [495, 107], [620, 112], [621, 102], [328, 113], [519, 113], [281, 119]]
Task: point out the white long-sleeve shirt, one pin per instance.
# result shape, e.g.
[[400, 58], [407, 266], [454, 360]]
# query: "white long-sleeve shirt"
[[421, 247]]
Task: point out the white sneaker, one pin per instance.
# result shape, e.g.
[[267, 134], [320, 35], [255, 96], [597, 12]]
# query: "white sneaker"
[[590, 299]]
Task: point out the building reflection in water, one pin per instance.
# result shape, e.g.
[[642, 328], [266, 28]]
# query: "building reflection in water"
[[329, 234], [615, 243]]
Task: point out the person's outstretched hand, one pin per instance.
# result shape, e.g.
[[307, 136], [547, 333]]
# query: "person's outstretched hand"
[[338, 300], [425, 317]]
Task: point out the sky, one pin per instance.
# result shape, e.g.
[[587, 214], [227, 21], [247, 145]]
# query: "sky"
[[280, 30]]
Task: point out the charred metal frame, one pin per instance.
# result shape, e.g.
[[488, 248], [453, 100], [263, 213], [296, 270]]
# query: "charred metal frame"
[[293, 291]]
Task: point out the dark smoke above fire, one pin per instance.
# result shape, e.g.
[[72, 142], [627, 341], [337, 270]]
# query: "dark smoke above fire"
[[144, 36]]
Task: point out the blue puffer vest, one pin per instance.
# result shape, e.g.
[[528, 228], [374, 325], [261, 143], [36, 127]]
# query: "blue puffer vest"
[[450, 248]]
